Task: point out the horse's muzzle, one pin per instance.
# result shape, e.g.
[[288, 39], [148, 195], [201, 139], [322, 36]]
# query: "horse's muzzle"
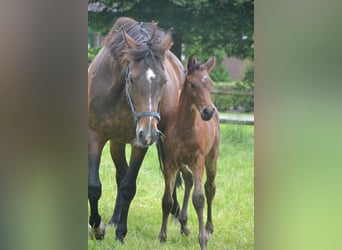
[[146, 137]]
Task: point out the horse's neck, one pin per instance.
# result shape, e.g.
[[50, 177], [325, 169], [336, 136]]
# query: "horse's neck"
[[186, 112]]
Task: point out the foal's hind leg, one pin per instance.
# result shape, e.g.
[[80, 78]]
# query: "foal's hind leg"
[[117, 151], [183, 217], [95, 146], [175, 207], [210, 189]]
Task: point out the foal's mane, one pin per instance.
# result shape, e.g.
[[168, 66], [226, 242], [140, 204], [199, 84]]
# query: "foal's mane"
[[147, 37]]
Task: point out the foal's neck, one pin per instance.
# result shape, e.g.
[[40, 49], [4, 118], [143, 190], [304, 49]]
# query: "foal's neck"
[[186, 112]]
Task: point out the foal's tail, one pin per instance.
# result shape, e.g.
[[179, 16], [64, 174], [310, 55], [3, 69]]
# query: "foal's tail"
[[161, 157]]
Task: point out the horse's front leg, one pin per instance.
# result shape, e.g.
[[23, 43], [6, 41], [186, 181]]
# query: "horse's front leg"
[[95, 146], [118, 153], [128, 189]]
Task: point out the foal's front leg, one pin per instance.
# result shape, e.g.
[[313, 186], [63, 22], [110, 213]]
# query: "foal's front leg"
[[170, 178]]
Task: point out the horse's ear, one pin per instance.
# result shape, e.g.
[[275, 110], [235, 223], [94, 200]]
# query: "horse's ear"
[[130, 43], [167, 41], [210, 64], [191, 63]]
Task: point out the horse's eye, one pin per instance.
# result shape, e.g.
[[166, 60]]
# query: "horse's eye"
[[130, 79], [193, 86]]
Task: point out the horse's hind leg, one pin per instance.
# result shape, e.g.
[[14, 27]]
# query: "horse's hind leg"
[[169, 178], [183, 217], [95, 146], [117, 151], [210, 189]]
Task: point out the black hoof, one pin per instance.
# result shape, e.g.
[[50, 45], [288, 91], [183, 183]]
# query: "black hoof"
[[121, 240], [120, 233]]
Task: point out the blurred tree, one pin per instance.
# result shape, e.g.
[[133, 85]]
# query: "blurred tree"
[[214, 24]]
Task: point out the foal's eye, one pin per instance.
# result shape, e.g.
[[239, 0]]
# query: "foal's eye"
[[193, 86]]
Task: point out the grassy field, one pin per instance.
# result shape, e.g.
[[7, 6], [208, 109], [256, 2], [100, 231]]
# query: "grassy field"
[[233, 206]]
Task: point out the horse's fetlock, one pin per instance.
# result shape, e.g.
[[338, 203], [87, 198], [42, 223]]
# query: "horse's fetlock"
[[94, 220]]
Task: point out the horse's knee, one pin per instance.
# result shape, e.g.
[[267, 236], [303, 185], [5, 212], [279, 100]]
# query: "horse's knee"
[[127, 191], [198, 200], [120, 174]]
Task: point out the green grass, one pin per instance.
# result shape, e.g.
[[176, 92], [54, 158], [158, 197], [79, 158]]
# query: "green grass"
[[233, 206]]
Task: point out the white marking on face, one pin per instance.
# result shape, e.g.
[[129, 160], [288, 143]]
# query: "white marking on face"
[[150, 75], [204, 78]]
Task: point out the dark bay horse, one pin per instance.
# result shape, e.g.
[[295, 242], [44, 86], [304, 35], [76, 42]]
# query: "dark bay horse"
[[133, 85], [191, 144]]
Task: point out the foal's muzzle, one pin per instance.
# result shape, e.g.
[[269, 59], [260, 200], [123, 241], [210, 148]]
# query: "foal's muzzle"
[[207, 113]]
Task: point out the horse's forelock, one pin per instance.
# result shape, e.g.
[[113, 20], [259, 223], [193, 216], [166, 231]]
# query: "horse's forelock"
[[147, 36]]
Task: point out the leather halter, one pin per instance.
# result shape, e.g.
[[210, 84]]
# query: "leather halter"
[[137, 115]]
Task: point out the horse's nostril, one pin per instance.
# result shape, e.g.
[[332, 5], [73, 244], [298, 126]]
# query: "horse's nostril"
[[141, 135]]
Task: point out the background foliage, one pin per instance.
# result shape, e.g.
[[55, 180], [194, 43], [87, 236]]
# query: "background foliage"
[[200, 27]]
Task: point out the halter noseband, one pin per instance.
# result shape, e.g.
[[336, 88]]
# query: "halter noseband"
[[137, 115]]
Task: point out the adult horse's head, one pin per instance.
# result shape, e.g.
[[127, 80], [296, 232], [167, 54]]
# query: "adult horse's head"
[[198, 85], [141, 48]]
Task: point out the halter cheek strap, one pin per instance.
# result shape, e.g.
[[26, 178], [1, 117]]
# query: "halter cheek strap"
[[137, 115]]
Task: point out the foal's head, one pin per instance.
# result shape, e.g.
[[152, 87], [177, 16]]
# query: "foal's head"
[[145, 81], [198, 85]]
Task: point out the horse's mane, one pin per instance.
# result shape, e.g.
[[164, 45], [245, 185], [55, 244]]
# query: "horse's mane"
[[147, 36]]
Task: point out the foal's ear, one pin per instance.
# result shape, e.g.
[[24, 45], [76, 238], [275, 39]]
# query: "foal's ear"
[[191, 63], [130, 43], [166, 43], [210, 64]]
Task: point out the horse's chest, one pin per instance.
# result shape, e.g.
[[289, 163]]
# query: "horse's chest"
[[115, 121]]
